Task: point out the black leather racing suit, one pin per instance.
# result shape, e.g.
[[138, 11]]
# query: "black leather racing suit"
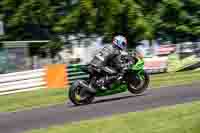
[[108, 58]]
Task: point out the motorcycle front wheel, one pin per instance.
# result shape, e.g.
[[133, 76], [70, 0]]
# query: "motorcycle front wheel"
[[78, 96], [137, 85]]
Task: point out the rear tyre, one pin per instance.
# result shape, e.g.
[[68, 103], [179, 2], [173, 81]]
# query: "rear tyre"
[[78, 96], [138, 86]]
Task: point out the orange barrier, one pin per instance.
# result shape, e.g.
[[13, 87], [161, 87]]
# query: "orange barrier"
[[56, 76]]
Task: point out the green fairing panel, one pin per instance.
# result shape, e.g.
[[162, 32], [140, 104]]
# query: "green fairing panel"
[[116, 88], [139, 65]]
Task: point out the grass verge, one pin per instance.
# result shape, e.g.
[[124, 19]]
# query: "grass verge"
[[175, 119], [28, 100], [173, 79]]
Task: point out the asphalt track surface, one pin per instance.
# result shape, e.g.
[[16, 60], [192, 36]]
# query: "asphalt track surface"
[[18, 122]]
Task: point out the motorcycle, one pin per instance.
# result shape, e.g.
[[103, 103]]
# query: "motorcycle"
[[134, 79]]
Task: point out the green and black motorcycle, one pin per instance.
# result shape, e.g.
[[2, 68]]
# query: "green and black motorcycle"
[[135, 80]]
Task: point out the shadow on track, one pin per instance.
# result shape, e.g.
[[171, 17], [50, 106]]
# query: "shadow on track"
[[109, 100], [113, 99]]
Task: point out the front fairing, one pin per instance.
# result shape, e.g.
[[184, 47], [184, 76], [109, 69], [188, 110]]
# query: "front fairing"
[[139, 65]]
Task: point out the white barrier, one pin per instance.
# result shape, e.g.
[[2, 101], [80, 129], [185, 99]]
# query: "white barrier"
[[21, 76], [22, 73], [22, 81]]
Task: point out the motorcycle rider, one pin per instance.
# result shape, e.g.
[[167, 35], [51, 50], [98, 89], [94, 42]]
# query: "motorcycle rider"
[[109, 60]]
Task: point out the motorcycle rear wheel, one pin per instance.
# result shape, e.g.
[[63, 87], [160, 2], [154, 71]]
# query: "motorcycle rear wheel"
[[76, 96]]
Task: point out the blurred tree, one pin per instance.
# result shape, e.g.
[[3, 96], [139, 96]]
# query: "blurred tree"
[[29, 19], [32, 20], [106, 18], [136, 19], [180, 19]]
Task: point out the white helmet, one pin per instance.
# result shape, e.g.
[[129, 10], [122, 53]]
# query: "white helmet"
[[120, 41]]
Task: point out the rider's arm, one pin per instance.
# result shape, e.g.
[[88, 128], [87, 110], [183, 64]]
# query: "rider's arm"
[[118, 64]]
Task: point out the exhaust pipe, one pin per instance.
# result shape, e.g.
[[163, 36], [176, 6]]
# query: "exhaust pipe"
[[87, 88]]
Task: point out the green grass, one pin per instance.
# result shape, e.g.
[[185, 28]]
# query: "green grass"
[[28, 100], [175, 119], [173, 79]]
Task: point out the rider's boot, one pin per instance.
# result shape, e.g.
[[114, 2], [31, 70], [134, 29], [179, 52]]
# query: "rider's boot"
[[108, 82]]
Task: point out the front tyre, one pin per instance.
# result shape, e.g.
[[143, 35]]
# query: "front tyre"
[[78, 96], [138, 85]]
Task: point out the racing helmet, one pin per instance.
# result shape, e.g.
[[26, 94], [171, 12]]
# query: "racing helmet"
[[120, 42]]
